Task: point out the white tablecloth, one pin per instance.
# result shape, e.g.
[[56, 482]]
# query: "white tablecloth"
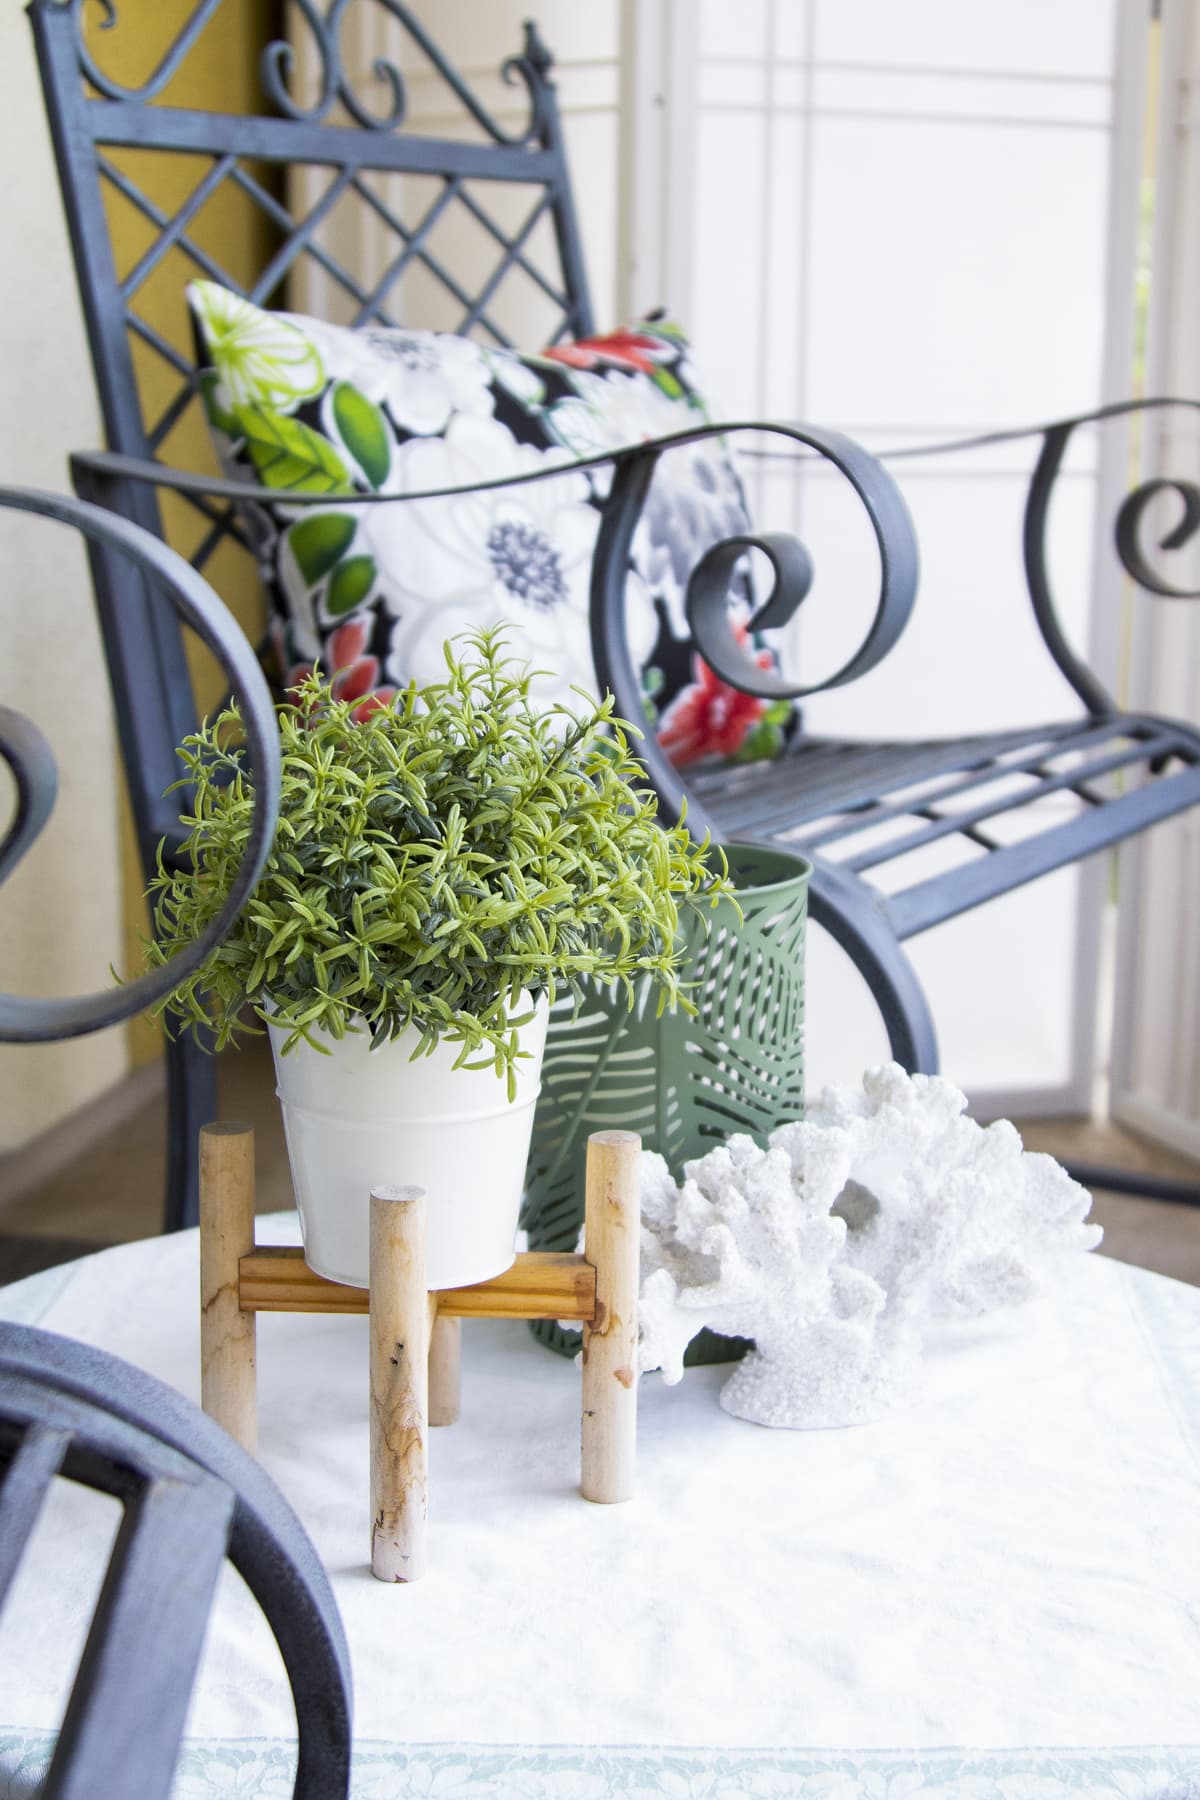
[[992, 1596]]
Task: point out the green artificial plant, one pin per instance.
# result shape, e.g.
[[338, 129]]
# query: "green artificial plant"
[[436, 864]]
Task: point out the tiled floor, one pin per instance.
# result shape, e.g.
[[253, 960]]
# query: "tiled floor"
[[114, 1193]]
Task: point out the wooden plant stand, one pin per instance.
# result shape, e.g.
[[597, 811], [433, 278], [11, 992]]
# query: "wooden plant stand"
[[414, 1364]]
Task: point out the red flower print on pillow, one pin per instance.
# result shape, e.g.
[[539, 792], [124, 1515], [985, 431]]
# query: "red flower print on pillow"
[[710, 718], [626, 349], [354, 676]]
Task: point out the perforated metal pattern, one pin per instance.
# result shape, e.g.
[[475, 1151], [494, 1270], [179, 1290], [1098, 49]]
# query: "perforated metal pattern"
[[683, 1083]]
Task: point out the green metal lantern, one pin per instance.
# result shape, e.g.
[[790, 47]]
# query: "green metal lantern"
[[683, 1082]]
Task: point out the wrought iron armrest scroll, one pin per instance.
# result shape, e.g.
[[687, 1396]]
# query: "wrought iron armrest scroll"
[[1127, 530], [1127, 534], [708, 588], [634, 467], [25, 1020]]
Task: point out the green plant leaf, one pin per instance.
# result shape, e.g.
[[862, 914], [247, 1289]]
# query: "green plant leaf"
[[349, 585], [432, 863], [318, 542], [364, 432], [289, 454]]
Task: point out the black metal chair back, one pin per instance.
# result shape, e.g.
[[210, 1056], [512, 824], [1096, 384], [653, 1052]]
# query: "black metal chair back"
[[298, 167], [191, 1498]]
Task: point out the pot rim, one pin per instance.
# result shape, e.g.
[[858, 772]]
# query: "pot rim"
[[799, 874]]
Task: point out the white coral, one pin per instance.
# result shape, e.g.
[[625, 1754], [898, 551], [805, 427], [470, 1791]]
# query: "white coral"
[[833, 1247]]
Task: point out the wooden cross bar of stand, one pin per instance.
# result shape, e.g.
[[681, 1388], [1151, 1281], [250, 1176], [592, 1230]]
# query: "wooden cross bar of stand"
[[414, 1364]]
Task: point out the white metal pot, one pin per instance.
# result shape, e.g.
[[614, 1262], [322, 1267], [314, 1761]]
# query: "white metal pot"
[[361, 1118]]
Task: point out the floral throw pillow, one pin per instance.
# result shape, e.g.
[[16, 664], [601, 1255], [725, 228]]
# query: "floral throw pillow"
[[373, 592]]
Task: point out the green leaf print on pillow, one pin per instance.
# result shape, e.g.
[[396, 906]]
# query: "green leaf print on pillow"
[[364, 432], [349, 585], [289, 454], [318, 542], [261, 358]]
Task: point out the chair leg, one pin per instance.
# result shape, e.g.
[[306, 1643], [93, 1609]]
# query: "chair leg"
[[855, 918], [191, 1103]]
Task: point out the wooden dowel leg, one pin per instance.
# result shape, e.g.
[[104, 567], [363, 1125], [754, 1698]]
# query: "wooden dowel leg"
[[227, 1337], [612, 1237], [401, 1316], [445, 1371]]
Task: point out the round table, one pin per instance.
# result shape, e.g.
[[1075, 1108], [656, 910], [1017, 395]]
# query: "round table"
[[993, 1595]]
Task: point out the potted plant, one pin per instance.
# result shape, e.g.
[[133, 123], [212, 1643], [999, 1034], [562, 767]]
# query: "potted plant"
[[444, 865]]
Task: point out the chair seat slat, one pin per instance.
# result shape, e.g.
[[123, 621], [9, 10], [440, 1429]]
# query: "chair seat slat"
[[975, 773], [815, 798], [929, 903], [1073, 781]]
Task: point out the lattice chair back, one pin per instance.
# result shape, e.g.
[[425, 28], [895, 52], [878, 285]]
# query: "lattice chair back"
[[269, 181], [315, 150], [684, 1083]]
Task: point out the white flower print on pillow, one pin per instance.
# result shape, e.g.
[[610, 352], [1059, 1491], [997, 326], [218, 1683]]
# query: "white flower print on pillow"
[[517, 554], [423, 378]]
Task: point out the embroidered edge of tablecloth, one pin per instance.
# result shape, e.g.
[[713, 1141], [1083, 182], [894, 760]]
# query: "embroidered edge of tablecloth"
[[249, 1768]]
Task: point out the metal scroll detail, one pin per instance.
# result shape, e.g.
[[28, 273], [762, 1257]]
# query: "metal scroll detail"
[[325, 32], [1055, 439], [323, 27], [168, 66], [792, 567], [708, 613], [1128, 534], [25, 1020], [35, 773]]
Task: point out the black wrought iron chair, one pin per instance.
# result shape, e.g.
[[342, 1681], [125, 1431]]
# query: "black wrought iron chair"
[[192, 1499], [191, 1496], [1125, 771]]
